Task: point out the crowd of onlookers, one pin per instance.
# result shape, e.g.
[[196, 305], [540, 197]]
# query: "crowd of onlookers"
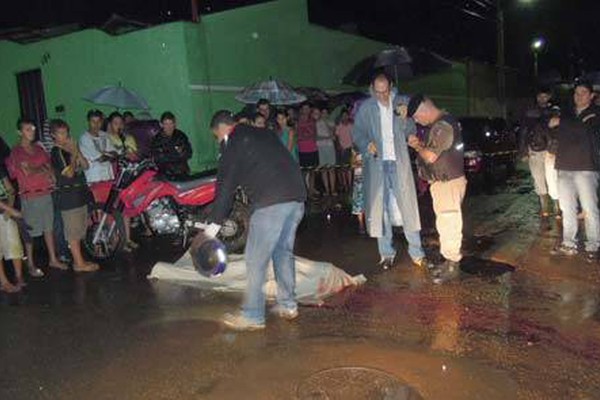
[[562, 147], [48, 180], [319, 142]]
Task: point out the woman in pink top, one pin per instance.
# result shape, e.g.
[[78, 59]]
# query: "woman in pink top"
[[307, 138], [343, 134], [29, 164], [308, 153]]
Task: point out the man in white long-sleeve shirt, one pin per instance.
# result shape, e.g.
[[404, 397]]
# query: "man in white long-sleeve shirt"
[[97, 148]]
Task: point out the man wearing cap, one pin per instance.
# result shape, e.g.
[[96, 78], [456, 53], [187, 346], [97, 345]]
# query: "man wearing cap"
[[380, 132], [440, 161], [256, 159]]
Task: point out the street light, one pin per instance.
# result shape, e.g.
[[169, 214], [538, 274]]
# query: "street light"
[[537, 45]]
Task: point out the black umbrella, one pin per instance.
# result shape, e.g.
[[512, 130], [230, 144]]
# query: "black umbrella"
[[313, 95], [593, 78], [346, 99], [399, 63]]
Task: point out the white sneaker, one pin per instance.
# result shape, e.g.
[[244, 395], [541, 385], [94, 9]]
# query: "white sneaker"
[[285, 313], [238, 322], [36, 272]]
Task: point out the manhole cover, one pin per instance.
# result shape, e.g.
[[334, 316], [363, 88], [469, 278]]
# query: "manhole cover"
[[349, 383]]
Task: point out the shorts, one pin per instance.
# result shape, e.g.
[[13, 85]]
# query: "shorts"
[[308, 160], [345, 156], [10, 240], [326, 154], [38, 213], [75, 223]]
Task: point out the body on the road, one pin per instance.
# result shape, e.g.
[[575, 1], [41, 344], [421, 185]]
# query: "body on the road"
[[256, 160], [440, 161]]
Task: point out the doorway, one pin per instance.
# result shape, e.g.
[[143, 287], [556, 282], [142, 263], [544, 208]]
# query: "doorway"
[[31, 97]]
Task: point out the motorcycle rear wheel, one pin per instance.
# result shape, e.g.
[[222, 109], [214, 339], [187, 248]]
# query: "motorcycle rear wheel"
[[112, 235]]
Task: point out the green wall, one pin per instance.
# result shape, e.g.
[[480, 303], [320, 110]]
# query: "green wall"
[[152, 62], [195, 69], [273, 39]]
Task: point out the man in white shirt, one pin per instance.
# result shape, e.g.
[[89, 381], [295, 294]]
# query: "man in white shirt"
[[97, 148], [380, 133]]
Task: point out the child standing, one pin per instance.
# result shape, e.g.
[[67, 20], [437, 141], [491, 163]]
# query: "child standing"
[[68, 165], [10, 241], [358, 203]]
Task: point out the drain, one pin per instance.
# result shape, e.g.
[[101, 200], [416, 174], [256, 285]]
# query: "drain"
[[350, 383]]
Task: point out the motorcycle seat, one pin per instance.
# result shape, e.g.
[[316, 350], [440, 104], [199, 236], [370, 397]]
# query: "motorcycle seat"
[[190, 184]]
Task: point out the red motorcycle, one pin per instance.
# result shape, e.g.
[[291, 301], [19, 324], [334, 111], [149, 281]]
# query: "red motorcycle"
[[167, 207]]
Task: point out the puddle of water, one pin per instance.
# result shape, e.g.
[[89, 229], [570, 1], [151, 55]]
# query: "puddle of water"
[[485, 268]]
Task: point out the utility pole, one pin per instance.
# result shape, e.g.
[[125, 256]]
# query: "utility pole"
[[500, 60], [195, 12]]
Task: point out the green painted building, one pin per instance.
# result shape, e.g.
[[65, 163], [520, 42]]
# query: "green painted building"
[[194, 69]]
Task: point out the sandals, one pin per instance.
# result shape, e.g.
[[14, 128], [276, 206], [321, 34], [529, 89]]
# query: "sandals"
[[86, 267], [9, 288], [59, 265]]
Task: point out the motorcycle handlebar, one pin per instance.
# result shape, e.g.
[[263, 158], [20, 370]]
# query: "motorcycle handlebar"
[[126, 163]]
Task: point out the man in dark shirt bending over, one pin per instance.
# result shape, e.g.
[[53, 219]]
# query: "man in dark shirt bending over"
[[255, 159]]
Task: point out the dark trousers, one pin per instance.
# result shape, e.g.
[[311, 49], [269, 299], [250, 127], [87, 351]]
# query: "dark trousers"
[[62, 247]]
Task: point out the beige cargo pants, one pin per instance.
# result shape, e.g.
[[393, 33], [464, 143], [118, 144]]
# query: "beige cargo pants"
[[447, 205]]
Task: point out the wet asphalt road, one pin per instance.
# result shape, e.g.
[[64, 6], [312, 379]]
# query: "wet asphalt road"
[[528, 330]]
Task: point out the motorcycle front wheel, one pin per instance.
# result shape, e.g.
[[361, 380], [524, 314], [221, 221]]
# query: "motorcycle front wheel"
[[105, 234], [234, 231]]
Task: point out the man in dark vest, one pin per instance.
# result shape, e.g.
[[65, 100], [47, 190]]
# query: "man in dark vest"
[[440, 162]]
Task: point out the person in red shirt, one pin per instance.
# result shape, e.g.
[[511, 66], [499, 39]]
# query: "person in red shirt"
[[29, 164]]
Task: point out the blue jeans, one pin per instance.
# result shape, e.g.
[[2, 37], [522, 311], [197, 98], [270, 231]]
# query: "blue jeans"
[[271, 237], [582, 186], [386, 243]]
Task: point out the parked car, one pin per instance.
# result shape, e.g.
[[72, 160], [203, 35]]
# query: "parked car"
[[490, 144]]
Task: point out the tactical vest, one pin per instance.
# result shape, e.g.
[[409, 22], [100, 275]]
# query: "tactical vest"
[[450, 163]]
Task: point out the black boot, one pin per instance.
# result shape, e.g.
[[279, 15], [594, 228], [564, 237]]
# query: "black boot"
[[557, 212]]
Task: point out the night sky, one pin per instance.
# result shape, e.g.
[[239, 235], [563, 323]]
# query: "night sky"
[[454, 28]]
